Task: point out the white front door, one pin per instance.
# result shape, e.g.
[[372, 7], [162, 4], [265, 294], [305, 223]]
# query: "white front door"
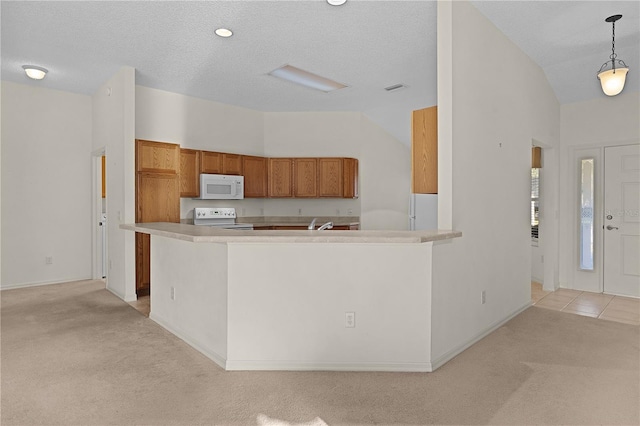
[[622, 220]]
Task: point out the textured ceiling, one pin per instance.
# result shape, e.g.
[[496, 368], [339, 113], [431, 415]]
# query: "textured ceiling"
[[367, 45]]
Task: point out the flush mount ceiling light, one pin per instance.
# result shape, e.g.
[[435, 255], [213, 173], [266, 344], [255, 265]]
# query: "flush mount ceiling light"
[[612, 80], [336, 2], [34, 72], [224, 32], [307, 79]]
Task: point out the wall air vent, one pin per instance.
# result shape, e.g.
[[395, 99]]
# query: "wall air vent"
[[395, 87]]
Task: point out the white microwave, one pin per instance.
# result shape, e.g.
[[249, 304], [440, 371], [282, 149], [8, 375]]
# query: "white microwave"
[[221, 187]]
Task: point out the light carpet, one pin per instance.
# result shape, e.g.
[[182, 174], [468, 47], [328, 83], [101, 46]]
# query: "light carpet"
[[74, 354]]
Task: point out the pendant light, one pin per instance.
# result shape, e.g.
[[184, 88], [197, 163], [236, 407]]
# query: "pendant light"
[[612, 80]]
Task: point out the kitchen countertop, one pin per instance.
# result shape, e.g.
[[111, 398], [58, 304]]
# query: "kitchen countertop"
[[208, 234]]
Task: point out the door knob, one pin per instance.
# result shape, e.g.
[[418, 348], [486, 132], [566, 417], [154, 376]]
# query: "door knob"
[[610, 228]]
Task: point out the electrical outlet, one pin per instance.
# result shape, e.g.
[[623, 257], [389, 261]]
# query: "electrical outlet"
[[299, 212], [337, 212], [173, 293], [350, 319], [48, 260], [483, 297]]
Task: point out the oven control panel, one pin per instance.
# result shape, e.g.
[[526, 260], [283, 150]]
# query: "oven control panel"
[[214, 213]]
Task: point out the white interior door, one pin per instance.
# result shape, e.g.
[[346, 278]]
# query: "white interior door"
[[622, 220]]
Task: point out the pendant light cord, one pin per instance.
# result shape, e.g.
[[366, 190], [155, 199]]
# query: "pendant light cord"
[[613, 46]]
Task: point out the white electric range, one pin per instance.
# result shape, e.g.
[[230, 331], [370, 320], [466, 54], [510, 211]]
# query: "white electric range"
[[223, 217]]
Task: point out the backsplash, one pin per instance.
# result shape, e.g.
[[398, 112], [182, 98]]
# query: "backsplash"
[[250, 207]]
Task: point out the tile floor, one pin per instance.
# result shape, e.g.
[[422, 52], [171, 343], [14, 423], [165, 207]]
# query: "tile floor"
[[142, 305], [595, 305]]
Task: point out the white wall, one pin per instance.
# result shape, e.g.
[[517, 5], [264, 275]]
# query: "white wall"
[[385, 179], [500, 101], [46, 185], [587, 127], [537, 264], [281, 316], [197, 276], [276, 315], [113, 131], [197, 123], [200, 124]]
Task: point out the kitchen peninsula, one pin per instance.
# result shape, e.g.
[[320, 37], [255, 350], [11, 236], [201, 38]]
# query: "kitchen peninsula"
[[296, 300]]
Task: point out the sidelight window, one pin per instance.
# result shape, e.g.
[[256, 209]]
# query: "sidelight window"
[[587, 199]]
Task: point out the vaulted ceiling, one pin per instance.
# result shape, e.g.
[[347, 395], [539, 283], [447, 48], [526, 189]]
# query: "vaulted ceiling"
[[367, 45]]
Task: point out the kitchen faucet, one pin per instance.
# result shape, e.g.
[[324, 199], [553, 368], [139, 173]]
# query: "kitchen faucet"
[[312, 225], [328, 225]]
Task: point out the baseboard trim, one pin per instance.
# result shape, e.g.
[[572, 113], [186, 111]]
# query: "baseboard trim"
[[244, 365], [182, 335], [42, 283], [443, 359], [250, 365], [126, 297], [117, 293]]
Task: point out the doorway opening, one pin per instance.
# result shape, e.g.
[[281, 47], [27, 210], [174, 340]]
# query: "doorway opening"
[[537, 253], [99, 215]]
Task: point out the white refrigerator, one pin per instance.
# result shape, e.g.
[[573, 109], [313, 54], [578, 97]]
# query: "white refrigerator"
[[423, 212]]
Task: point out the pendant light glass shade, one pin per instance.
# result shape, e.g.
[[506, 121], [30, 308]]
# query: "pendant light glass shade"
[[612, 81]]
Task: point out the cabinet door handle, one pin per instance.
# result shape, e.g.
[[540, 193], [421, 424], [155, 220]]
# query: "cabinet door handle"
[[609, 227]]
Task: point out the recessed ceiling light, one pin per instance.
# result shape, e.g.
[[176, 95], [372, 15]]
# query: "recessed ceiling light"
[[34, 72], [336, 2], [307, 79], [224, 32]]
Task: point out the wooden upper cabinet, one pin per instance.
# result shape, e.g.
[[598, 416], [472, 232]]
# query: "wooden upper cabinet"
[[338, 177], [210, 162], [280, 177], [424, 151], [255, 176], [330, 177], [231, 164], [313, 177], [157, 157], [189, 173], [350, 178], [305, 177]]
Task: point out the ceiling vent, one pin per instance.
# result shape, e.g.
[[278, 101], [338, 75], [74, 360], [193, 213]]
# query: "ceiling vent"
[[395, 87]]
